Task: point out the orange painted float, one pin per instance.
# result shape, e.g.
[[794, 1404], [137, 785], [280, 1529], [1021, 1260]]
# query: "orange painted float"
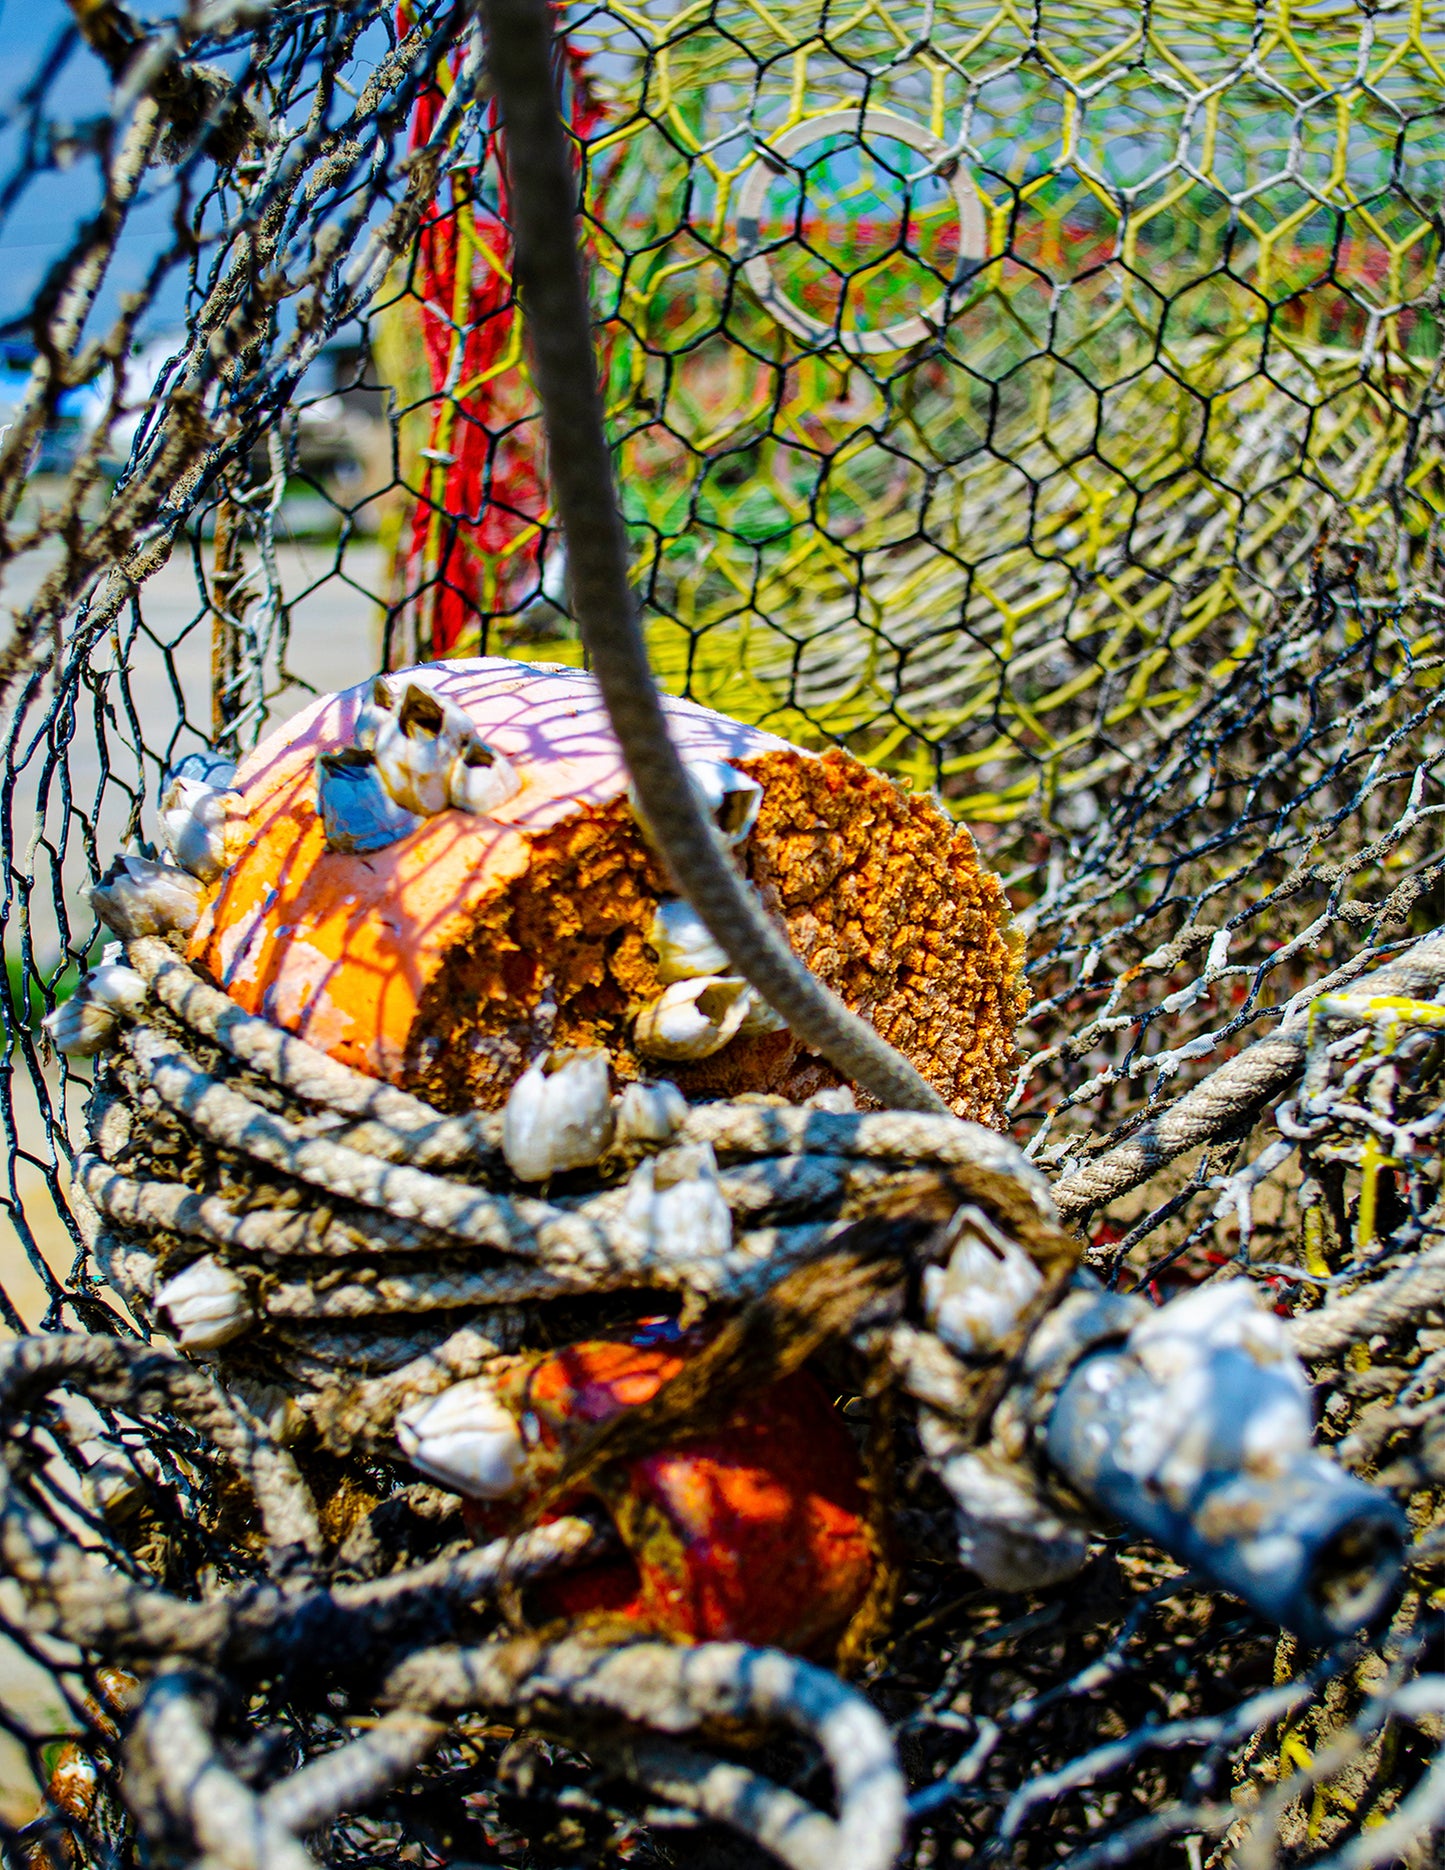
[[754, 1531], [464, 941]]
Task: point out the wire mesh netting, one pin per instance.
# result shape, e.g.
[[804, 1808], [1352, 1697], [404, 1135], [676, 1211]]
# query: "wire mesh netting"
[[1041, 403]]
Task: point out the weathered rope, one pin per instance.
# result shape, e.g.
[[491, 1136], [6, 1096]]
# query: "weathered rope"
[[1386, 1304], [353, 1775], [122, 1374], [400, 1125], [226, 1118], [682, 1690], [725, 1792], [383, 1239], [559, 324], [1236, 1090], [184, 1793], [181, 1789], [79, 1596]]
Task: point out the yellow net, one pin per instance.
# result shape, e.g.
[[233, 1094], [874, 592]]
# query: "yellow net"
[[982, 374]]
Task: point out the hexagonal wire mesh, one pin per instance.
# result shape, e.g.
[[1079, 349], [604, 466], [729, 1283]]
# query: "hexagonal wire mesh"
[[1041, 402]]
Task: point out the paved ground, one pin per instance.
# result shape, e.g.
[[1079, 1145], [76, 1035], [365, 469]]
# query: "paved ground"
[[333, 643]]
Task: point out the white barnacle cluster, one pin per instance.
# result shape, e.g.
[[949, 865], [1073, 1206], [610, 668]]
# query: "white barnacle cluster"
[[414, 754], [702, 1007], [88, 1022], [140, 896], [194, 819], [676, 1207], [977, 1300], [205, 1306], [157, 896], [197, 822], [560, 1114], [465, 1439], [1171, 1445]]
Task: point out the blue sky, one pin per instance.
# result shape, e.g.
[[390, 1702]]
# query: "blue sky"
[[49, 205]]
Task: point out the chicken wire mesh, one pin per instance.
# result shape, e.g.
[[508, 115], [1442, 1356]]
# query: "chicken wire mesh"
[[1042, 403]]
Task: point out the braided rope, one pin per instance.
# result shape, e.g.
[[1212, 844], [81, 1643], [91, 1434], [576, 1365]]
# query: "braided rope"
[[211, 1129], [270, 1176], [1237, 1089], [184, 1793], [678, 1691], [82, 1599], [554, 300]]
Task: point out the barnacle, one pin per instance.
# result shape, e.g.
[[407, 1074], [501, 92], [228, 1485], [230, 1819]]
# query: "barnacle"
[[682, 943], [693, 1019], [465, 1439], [138, 897], [206, 1304], [558, 1115], [81, 1028], [195, 826]]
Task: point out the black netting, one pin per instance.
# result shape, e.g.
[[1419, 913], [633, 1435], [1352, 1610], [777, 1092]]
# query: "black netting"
[[1041, 403]]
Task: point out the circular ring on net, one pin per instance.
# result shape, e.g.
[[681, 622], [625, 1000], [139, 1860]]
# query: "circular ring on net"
[[757, 262]]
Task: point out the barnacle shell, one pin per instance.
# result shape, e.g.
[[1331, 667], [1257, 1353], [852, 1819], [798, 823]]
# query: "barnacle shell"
[[446, 959], [206, 1305], [115, 986], [194, 818], [759, 1018], [414, 754], [558, 1115], [679, 937], [141, 897], [357, 810], [676, 1205], [650, 1113], [693, 1018], [1009, 1532], [379, 704], [732, 798], [80, 1028], [465, 1440], [480, 779], [978, 1300]]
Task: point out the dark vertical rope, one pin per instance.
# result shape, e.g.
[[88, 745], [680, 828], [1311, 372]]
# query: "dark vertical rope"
[[558, 322]]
